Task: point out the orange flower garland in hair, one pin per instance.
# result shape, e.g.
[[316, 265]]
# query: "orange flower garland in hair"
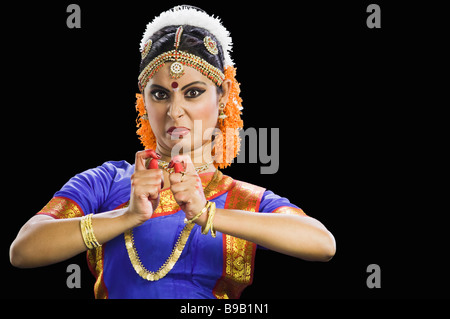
[[144, 131], [226, 142]]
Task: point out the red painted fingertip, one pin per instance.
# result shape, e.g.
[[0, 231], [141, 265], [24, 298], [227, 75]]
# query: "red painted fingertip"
[[152, 153], [153, 164], [178, 167]]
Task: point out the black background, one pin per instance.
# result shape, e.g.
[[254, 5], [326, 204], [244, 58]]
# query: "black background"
[[356, 109]]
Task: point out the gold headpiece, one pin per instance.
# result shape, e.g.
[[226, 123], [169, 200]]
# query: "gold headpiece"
[[146, 50], [181, 59], [210, 45]]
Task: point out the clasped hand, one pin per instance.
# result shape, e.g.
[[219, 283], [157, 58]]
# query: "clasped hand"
[[146, 184]]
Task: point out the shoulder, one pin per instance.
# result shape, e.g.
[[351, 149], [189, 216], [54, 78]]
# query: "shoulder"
[[244, 196], [118, 169], [245, 189], [108, 171], [115, 168], [93, 187], [247, 196], [101, 176], [273, 203]]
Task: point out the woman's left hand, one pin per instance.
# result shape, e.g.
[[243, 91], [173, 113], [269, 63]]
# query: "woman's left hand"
[[187, 189]]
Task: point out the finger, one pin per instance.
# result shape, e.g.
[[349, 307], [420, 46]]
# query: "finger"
[[148, 186], [176, 178], [152, 153], [178, 167], [187, 162], [147, 177], [142, 156], [182, 198], [153, 164], [177, 187]]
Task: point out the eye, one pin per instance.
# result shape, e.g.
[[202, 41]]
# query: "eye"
[[193, 93], [160, 95]]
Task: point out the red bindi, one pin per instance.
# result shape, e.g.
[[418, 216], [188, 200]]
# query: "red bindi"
[[174, 85]]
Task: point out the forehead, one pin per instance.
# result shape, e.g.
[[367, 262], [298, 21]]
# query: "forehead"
[[164, 78]]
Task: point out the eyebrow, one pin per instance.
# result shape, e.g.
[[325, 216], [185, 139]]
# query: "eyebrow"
[[158, 86], [196, 82]]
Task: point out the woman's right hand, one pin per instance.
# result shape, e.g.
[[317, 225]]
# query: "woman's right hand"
[[145, 187]]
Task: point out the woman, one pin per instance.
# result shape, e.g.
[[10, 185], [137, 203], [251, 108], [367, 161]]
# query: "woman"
[[172, 225]]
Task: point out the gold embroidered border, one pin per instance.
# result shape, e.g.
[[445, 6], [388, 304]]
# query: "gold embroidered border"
[[239, 254], [167, 203], [238, 268], [95, 262], [219, 184], [61, 207], [289, 211], [244, 196]]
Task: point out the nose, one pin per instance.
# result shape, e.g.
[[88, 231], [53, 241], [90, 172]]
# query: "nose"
[[175, 110]]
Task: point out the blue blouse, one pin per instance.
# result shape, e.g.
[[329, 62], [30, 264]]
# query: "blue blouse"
[[208, 267]]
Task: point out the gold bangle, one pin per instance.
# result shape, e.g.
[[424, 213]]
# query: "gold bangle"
[[209, 224], [83, 232], [190, 221], [88, 232], [213, 214]]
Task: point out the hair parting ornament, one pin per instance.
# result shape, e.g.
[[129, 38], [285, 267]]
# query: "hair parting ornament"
[[227, 141]]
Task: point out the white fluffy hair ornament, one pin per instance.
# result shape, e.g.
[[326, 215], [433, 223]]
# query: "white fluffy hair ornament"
[[189, 15]]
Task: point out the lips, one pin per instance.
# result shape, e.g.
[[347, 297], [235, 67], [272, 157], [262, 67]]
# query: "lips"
[[178, 131]]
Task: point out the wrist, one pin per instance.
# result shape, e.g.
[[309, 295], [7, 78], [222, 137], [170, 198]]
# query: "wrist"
[[199, 218], [202, 220], [210, 221], [131, 219]]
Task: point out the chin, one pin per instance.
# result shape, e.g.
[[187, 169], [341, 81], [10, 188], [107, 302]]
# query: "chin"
[[181, 145]]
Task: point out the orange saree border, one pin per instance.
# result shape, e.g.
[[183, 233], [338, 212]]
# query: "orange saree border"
[[239, 254], [167, 204], [61, 207], [95, 258]]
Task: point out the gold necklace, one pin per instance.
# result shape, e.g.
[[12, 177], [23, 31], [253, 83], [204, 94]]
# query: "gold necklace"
[[165, 166], [177, 249]]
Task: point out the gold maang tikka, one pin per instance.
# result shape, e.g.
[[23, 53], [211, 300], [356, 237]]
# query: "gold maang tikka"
[[177, 69]]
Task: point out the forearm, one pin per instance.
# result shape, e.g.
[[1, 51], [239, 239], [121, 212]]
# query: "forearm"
[[298, 236], [44, 240]]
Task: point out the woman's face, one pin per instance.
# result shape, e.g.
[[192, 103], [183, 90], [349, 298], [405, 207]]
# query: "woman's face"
[[182, 112]]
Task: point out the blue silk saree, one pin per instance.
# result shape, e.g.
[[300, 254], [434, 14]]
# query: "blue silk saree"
[[208, 267]]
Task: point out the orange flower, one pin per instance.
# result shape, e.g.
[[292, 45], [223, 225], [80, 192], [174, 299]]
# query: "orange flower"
[[144, 131]]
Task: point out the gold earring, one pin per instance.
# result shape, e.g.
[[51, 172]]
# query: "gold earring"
[[222, 115]]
